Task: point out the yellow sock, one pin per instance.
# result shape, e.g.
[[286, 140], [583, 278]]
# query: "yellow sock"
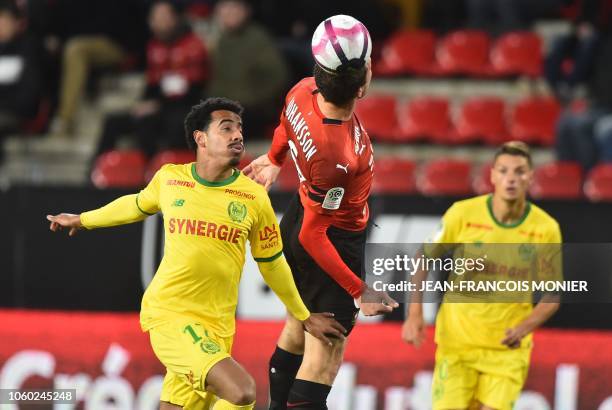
[[226, 405]]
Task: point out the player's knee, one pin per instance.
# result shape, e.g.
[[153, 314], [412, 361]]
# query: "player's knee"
[[243, 394]]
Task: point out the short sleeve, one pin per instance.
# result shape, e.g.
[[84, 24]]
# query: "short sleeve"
[[447, 233], [265, 238], [148, 198]]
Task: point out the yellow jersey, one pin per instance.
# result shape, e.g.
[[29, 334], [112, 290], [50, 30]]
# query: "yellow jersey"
[[206, 226], [471, 224]]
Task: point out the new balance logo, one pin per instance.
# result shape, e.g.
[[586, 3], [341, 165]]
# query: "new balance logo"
[[343, 167], [178, 202]]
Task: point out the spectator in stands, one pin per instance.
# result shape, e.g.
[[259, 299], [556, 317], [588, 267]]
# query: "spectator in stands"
[[583, 134], [176, 72], [579, 47], [95, 34], [499, 16], [20, 70], [247, 66]]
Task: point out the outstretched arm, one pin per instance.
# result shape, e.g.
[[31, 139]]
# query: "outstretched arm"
[[277, 275], [121, 211]]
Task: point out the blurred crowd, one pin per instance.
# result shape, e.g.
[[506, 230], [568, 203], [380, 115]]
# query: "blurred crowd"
[[53, 52]]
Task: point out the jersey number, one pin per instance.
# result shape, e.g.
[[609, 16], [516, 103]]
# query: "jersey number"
[[294, 153]]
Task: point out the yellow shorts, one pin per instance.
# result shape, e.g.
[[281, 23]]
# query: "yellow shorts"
[[464, 377], [188, 351]]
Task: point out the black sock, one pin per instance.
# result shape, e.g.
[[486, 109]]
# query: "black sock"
[[308, 395], [281, 373]]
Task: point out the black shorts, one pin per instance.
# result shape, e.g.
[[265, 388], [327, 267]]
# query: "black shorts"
[[319, 291]]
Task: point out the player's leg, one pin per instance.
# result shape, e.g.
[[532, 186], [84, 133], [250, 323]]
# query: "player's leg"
[[502, 375], [454, 380], [287, 356], [168, 406], [285, 362], [316, 375], [232, 384]]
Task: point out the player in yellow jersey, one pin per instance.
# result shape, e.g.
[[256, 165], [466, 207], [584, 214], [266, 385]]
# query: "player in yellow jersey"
[[483, 349], [210, 210]]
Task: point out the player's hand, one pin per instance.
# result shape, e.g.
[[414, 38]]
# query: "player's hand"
[[262, 171], [514, 336], [373, 303], [68, 221], [413, 330], [322, 325]]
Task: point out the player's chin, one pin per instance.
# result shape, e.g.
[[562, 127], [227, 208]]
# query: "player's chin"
[[235, 159]]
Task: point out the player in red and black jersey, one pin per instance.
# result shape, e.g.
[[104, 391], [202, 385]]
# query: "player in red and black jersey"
[[324, 227]]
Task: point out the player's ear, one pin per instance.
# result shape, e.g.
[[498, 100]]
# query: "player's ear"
[[200, 138]]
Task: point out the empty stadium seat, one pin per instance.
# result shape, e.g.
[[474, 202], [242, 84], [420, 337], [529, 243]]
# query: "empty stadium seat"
[[407, 52], [533, 120], [168, 157], [464, 52], [598, 186], [481, 118], [518, 53], [425, 118], [378, 116], [445, 177], [557, 180], [482, 181], [119, 169], [393, 176]]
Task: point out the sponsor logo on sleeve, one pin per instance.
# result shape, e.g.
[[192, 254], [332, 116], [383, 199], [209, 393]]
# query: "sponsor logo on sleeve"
[[333, 198]]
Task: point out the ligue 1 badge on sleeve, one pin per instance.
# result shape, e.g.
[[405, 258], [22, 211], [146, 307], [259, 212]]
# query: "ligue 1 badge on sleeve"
[[237, 211]]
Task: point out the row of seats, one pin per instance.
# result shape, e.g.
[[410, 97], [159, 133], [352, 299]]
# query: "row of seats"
[[442, 177], [464, 52], [479, 119]]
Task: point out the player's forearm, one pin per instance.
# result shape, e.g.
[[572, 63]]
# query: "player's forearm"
[[280, 146], [123, 210], [540, 314], [277, 275], [313, 237]]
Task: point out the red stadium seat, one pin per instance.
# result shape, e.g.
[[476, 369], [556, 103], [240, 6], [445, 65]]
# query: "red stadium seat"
[[168, 157], [518, 53], [119, 169], [445, 177], [407, 52], [464, 52], [598, 186], [482, 182], [533, 120], [287, 178], [481, 118], [378, 116], [393, 176], [425, 118], [557, 180]]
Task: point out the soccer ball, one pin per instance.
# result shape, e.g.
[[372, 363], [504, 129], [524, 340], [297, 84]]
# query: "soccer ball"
[[341, 41]]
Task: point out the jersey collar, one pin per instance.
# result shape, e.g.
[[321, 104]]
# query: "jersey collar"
[[501, 224], [205, 182]]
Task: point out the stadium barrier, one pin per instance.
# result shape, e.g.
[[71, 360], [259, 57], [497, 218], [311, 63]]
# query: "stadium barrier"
[[106, 357]]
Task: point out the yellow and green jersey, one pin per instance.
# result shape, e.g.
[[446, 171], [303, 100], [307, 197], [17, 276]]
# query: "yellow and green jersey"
[[206, 226], [471, 225]]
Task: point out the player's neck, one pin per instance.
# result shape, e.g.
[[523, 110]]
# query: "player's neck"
[[334, 112], [508, 212], [211, 171]]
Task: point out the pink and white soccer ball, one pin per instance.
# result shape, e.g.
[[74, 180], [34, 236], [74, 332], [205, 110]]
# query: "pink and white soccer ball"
[[340, 40]]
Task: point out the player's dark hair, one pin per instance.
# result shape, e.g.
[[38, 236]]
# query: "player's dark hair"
[[342, 87], [516, 148], [10, 7], [200, 116]]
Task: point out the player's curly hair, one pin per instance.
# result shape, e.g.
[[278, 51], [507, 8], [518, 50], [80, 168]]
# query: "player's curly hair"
[[339, 88], [199, 117]]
